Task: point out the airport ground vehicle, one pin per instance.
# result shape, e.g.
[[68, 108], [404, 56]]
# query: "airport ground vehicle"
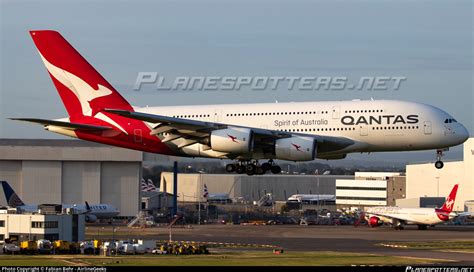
[[181, 249], [87, 247], [65, 247], [28, 247], [11, 248], [44, 246]]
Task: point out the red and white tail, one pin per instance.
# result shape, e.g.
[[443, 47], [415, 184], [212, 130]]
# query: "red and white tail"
[[82, 89], [449, 204]]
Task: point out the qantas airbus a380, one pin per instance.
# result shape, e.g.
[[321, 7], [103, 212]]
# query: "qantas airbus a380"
[[245, 133]]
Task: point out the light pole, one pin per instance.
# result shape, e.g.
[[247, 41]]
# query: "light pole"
[[199, 198], [319, 204], [437, 190]]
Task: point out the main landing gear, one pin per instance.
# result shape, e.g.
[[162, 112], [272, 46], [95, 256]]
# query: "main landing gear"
[[439, 164], [253, 167]]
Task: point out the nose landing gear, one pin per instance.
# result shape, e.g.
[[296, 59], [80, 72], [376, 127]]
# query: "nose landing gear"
[[439, 164]]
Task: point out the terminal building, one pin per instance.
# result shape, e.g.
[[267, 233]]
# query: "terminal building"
[[425, 181], [34, 226], [72, 172], [370, 189]]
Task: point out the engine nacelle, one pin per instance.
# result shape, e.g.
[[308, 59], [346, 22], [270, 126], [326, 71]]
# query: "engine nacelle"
[[332, 157], [374, 221], [90, 218], [232, 140], [296, 148]]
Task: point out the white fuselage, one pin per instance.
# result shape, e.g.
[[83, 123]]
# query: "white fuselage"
[[101, 211], [375, 126], [416, 216]]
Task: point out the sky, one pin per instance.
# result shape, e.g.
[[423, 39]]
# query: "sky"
[[428, 42]]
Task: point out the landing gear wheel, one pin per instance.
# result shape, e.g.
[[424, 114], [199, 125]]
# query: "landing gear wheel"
[[276, 169], [259, 170], [250, 169], [240, 169], [439, 154], [266, 166], [230, 168], [399, 227]]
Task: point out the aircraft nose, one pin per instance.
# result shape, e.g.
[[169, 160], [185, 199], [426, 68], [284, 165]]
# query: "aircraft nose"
[[462, 133]]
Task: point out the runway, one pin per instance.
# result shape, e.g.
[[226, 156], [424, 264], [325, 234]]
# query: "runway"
[[316, 238]]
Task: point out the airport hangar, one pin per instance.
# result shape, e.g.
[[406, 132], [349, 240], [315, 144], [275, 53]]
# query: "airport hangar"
[[247, 189], [71, 171]]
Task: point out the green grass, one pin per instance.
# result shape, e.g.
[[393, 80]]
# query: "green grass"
[[434, 245], [23, 260], [222, 259]]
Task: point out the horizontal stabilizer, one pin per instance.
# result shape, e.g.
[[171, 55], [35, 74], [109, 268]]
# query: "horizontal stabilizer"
[[66, 125]]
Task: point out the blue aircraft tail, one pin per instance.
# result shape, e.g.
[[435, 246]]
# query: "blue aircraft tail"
[[12, 198]]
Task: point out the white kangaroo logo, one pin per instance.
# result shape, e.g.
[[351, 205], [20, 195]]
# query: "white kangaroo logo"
[[83, 91]]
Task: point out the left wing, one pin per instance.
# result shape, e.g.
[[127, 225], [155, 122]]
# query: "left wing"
[[194, 131], [392, 217], [63, 124]]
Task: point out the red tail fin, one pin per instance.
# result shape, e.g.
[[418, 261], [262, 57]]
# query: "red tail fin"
[[83, 90], [449, 204]]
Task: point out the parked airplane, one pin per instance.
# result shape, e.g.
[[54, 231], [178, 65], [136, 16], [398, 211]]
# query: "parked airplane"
[[423, 217], [245, 133], [91, 212], [310, 198]]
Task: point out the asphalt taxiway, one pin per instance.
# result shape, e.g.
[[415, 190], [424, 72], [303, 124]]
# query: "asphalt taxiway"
[[312, 238]]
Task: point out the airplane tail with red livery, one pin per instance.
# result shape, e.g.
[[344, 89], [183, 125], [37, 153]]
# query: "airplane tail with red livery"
[[444, 212], [82, 89], [86, 95], [449, 204]]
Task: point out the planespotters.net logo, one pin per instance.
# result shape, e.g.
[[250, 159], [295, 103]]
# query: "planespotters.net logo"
[[262, 83], [438, 269]]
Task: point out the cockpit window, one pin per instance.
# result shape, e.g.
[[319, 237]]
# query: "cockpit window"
[[450, 120]]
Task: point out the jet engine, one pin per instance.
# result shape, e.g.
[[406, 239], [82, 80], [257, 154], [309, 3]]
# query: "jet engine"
[[332, 157], [296, 148], [374, 221], [90, 218], [232, 140]]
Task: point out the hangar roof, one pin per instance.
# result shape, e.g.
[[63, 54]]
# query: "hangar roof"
[[64, 150]]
